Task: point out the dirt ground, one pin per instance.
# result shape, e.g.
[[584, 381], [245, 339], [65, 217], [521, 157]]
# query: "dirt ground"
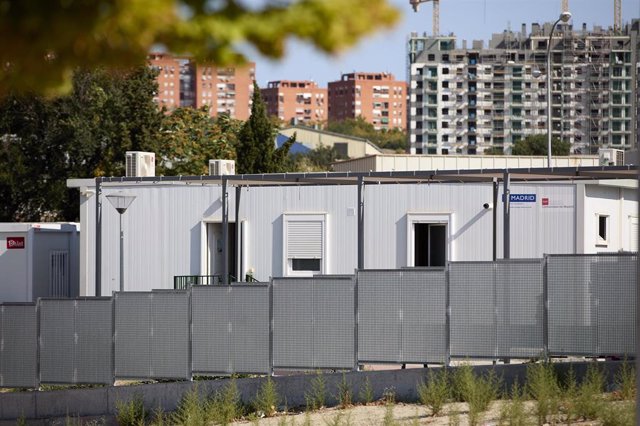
[[403, 414]]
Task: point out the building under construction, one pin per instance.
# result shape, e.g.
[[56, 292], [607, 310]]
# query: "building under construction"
[[472, 99]]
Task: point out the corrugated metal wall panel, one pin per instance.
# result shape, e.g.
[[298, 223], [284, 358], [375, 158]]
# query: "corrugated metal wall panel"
[[19, 349]]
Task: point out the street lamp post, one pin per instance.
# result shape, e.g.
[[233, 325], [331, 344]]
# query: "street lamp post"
[[564, 17], [121, 202]]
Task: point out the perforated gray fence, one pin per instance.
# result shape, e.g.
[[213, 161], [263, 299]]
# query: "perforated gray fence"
[[497, 309], [592, 304], [230, 331], [76, 341], [313, 322], [152, 335], [402, 316], [18, 351]]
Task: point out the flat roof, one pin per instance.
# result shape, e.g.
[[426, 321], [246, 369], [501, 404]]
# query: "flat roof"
[[541, 174]]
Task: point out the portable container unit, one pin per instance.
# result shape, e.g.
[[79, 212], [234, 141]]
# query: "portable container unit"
[[287, 231], [38, 260]]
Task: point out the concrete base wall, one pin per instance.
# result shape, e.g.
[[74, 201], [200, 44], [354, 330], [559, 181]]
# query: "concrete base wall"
[[292, 389]]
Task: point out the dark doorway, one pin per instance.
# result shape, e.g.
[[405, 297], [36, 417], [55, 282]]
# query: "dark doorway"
[[430, 244], [215, 246]]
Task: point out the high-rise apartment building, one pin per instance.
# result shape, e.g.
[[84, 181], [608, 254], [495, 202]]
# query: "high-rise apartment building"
[[469, 100], [296, 102], [182, 82], [378, 97]]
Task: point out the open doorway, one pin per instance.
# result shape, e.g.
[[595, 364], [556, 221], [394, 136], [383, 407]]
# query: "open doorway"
[[430, 244], [215, 246]]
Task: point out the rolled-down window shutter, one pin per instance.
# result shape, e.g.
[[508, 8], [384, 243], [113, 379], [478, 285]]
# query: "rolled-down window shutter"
[[304, 239]]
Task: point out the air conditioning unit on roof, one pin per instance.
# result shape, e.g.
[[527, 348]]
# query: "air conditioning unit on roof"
[[140, 164], [611, 157], [222, 167]]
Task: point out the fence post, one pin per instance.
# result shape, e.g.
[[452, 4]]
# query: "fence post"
[[355, 320], [271, 326], [545, 305], [447, 286]]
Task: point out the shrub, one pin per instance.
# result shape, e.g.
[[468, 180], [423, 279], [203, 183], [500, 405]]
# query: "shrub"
[[480, 393], [543, 386], [435, 393], [513, 412], [225, 406], [131, 413], [344, 396], [589, 401], [267, 398], [366, 392], [317, 394], [191, 409], [619, 414], [625, 380]]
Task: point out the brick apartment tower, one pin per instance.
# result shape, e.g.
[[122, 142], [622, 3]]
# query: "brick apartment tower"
[[378, 97], [296, 102], [182, 82]]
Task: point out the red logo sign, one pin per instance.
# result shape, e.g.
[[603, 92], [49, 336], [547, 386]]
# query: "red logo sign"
[[545, 201], [15, 243]]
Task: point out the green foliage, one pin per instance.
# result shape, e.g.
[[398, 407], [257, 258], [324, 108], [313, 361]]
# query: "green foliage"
[[589, 401], [393, 139], [538, 144], [225, 406], [366, 392], [513, 412], [435, 392], [267, 398], [345, 394], [316, 160], [543, 386], [618, 414], [389, 419], [46, 141], [192, 409], [477, 390], [43, 44], [255, 150], [625, 380], [317, 394], [131, 413], [189, 138]]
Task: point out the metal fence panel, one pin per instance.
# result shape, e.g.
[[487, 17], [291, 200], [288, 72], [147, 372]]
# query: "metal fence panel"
[[520, 308], [379, 320], [18, 352], [132, 335], [210, 329], [616, 278], [572, 313], [293, 323], [592, 304], [334, 322], [75, 341], [94, 348], [249, 348], [170, 335], [57, 341], [424, 319], [472, 302]]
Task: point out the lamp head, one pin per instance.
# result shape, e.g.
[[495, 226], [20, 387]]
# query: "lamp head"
[[565, 16]]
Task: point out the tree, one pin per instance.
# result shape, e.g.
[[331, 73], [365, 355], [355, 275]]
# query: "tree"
[[43, 42], [256, 151], [393, 139], [44, 141], [189, 139], [538, 144], [316, 160]]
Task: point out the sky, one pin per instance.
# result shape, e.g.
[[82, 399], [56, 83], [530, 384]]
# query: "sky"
[[467, 19]]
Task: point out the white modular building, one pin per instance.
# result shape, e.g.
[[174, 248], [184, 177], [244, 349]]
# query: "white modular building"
[[38, 260], [174, 227]]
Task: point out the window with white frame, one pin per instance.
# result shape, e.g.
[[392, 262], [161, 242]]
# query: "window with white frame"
[[603, 229], [304, 244]]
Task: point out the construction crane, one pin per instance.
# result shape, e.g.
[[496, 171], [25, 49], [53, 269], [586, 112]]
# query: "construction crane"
[[565, 5], [436, 13], [617, 15]]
